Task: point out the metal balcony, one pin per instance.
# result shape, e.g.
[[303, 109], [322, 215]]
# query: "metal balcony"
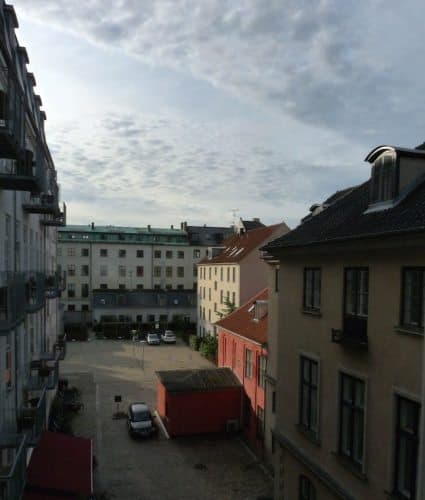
[[43, 204], [12, 300], [353, 334], [12, 477], [33, 417], [57, 220], [35, 284], [59, 347], [44, 372]]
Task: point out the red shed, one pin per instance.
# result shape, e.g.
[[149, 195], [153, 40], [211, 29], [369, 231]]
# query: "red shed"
[[199, 401]]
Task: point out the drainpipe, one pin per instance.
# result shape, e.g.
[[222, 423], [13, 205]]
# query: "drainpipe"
[[15, 331]]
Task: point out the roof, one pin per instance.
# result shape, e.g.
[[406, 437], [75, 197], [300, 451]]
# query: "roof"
[[346, 220], [52, 460], [249, 225], [242, 321], [143, 298], [208, 235], [238, 246], [212, 379], [120, 230]]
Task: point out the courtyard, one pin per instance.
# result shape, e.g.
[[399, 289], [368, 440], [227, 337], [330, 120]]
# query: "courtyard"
[[197, 467]]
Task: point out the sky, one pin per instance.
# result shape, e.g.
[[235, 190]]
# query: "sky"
[[163, 111]]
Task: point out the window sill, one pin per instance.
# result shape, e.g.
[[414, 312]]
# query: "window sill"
[[309, 434], [409, 330], [349, 465], [312, 312]]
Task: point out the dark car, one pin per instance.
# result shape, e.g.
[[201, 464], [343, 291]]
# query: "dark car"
[[140, 422]]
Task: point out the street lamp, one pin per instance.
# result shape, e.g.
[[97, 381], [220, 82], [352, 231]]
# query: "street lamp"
[[142, 361]]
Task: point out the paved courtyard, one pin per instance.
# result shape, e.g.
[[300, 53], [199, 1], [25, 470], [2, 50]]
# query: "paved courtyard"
[[181, 468]]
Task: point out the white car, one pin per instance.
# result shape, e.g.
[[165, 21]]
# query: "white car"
[[168, 337], [153, 339]]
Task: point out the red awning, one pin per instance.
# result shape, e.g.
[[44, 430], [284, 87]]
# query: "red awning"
[[60, 467]]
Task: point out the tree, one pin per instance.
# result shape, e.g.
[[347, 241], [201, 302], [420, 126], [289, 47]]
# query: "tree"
[[229, 307]]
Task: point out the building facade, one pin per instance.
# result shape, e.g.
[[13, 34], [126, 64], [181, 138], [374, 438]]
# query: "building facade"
[[109, 257], [349, 378], [232, 273], [30, 282], [242, 347]]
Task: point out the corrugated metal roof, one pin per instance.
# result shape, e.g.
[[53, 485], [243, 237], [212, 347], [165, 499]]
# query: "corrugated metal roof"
[[212, 379]]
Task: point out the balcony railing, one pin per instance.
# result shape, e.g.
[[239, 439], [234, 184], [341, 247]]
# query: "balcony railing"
[[33, 417], [354, 332], [54, 284], [58, 219], [12, 300], [59, 347], [35, 284], [44, 372], [12, 477]]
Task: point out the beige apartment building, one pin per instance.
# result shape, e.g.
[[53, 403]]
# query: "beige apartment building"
[[349, 282], [233, 274]]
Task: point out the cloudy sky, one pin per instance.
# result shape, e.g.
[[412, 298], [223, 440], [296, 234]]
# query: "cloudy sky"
[[161, 111]]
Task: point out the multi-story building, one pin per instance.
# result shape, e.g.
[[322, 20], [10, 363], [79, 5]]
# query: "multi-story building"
[[29, 278], [350, 297], [242, 347], [110, 257], [232, 273]]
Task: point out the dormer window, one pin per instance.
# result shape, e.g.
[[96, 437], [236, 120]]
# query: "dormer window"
[[383, 186]]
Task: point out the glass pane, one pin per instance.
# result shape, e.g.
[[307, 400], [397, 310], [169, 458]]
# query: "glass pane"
[[314, 373], [313, 410], [359, 395], [358, 437], [346, 432], [306, 370], [346, 389]]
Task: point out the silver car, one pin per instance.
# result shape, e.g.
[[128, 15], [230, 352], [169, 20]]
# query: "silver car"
[[140, 422], [168, 337], [153, 339]]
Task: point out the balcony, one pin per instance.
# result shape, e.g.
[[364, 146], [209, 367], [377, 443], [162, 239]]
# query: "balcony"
[[12, 476], [44, 372], [59, 219], [35, 294], [43, 204], [32, 418], [12, 300], [353, 334], [55, 284], [59, 347]]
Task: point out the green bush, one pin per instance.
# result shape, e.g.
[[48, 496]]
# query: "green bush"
[[194, 342], [208, 347]]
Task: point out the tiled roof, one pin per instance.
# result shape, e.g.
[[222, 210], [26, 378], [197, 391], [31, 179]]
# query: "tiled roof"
[[346, 219], [242, 321], [212, 379], [239, 246]]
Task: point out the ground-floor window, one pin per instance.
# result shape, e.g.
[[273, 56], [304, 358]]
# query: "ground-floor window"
[[306, 489]]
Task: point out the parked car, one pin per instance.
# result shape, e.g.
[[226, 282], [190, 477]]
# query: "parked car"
[[168, 337], [153, 339], [140, 422]]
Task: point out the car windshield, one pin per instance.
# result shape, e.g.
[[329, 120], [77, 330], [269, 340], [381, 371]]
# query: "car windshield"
[[141, 416]]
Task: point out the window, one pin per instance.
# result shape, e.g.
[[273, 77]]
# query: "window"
[[122, 252], [209, 273], [221, 296], [84, 252], [169, 272], [180, 254], [276, 279], [352, 398], [412, 296], [84, 290], [308, 418], [139, 271], [139, 254], [157, 286], [274, 402], [169, 254], [139, 318], [221, 274], [215, 306], [248, 363], [9, 369], [85, 307], [59, 252], [71, 269], [122, 271], [103, 252], [247, 410], [139, 286], [180, 272], [312, 282], [356, 291], [103, 286], [71, 307], [234, 298], [151, 318], [71, 252], [406, 444], [260, 422], [195, 270], [306, 489], [196, 253], [157, 271], [84, 270], [157, 254], [383, 185], [121, 286], [103, 270], [234, 274], [228, 273], [261, 369], [71, 290]]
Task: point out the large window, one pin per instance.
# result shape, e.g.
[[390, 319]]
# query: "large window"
[[406, 443], [103, 270], [356, 291], [71, 290], [84, 270], [122, 271], [157, 271], [139, 271], [309, 395], [84, 290], [71, 269], [248, 367], [169, 272], [412, 296], [383, 185], [169, 254], [122, 252], [103, 252], [306, 489], [312, 282], [261, 375], [84, 252], [180, 272], [352, 413], [157, 254], [139, 254]]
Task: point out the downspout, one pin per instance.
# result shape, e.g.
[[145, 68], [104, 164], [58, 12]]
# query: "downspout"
[[15, 331]]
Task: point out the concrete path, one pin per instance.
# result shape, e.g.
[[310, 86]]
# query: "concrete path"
[[195, 468]]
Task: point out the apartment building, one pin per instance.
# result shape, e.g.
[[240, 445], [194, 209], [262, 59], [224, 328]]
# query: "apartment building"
[[242, 347], [232, 273], [349, 333], [30, 283], [126, 258]]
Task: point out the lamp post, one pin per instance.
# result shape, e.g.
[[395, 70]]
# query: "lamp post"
[[142, 361]]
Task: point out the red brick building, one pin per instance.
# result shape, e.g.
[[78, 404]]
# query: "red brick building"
[[242, 339]]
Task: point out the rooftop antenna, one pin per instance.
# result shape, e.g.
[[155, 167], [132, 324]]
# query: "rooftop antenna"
[[235, 217]]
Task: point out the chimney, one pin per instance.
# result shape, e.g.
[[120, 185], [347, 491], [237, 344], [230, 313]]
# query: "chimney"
[[172, 227], [149, 227], [92, 226]]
